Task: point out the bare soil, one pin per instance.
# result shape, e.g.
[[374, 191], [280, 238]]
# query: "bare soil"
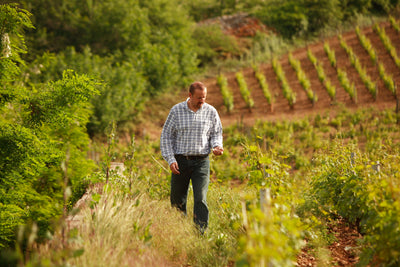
[[303, 106]]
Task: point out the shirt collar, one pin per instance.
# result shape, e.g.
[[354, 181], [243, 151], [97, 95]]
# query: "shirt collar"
[[187, 106]]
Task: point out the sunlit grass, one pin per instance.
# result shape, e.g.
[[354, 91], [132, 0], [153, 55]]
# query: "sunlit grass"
[[121, 229]]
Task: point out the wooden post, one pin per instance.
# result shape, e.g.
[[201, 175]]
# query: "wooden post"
[[313, 99], [117, 167], [355, 95], [397, 111], [244, 214], [377, 166], [265, 199]]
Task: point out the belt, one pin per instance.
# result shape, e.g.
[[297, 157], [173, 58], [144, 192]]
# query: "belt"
[[189, 157]]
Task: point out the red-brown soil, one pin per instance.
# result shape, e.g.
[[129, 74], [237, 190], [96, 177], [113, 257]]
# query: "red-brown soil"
[[303, 106]]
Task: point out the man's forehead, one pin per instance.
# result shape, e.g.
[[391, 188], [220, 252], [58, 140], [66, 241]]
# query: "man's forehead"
[[199, 92]]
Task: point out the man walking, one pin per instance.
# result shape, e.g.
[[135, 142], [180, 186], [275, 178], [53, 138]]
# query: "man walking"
[[192, 129]]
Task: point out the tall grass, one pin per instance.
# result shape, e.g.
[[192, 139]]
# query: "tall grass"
[[120, 229]]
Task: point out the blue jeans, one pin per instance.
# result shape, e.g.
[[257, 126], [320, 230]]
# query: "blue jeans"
[[198, 171]]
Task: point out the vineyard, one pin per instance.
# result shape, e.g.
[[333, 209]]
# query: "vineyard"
[[310, 174], [355, 68]]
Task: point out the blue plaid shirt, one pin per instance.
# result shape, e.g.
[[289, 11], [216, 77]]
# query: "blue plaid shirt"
[[190, 133]]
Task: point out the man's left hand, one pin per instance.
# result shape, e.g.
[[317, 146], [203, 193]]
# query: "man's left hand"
[[217, 151]]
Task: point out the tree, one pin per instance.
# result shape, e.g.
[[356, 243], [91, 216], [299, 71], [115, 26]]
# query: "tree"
[[42, 129]]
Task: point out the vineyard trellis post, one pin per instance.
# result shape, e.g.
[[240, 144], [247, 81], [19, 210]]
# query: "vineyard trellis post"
[[265, 200], [355, 95], [313, 99], [377, 166], [397, 104], [397, 111]]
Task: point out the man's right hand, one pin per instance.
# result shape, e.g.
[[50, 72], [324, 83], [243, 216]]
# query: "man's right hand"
[[174, 168]]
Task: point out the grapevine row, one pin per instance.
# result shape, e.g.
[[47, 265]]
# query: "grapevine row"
[[287, 91], [355, 62], [394, 24], [388, 44], [264, 85], [366, 44], [331, 54], [386, 78], [342, 76], [226, 92], [303, 79], [244, 91], [331, 89], [347, 85]]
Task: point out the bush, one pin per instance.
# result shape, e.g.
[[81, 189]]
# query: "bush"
[[213, 43], [299, 18], [140, 49]]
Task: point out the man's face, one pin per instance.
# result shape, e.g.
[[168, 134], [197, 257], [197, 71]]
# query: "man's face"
[[198, 98]]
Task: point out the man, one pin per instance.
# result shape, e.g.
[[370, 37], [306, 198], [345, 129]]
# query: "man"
[[192, 129]]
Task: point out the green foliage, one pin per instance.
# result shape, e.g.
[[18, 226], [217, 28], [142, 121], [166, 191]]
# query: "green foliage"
[[347, 85], [366, 44], [302, 77], [227, 94], [387, 79], [12, 43], [287, 90], [304, 18], [52, 122], [321, 75], [394, 23], [363, 189], [331, 54], [122, 95], [387, 42], [244, 91], [213, 44], [274, 234], [43, 139], [371, 85], [139, 48], [264, 85], [299, 18]]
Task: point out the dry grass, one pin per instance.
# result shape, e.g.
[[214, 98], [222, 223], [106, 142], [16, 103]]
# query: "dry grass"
[[124, 230]]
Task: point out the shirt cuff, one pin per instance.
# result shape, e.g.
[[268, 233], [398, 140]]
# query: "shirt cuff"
[[171, 160]]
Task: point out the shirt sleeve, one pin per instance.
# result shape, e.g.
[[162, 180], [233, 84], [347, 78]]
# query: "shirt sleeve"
[[167, 139], [216, 133]]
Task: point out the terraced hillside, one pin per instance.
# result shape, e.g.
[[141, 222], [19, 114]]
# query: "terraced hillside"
[[368, 71]]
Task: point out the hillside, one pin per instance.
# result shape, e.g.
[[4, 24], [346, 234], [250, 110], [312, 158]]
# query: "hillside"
[[262, 110]]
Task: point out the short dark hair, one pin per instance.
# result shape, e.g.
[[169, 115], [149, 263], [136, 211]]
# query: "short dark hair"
[[196, 85]]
